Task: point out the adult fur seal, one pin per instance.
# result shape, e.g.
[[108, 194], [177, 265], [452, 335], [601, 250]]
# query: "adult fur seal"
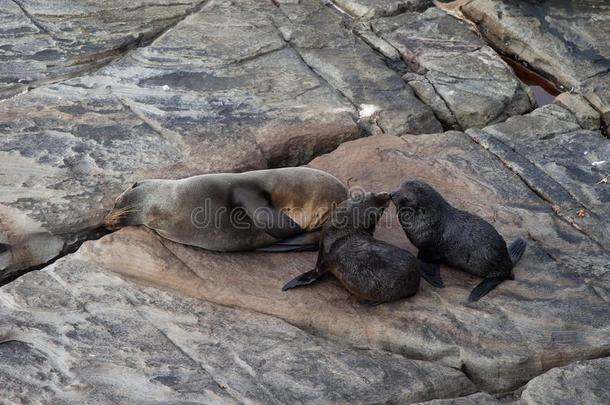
[[274, 208], [444, 234], [372, 270]]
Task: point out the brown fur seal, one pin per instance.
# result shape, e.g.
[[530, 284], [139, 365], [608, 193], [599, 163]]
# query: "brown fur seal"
[[372, 270], [444, 234], [233, 211]]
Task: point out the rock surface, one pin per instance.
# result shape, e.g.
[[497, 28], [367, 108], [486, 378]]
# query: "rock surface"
[[565, 40], [367, 9], [75, 333], [586, 116], [42, 41], [385, 103], [582, 382], [465, 82], [553, 313], [560, 161], [95, 97], [475, 399]]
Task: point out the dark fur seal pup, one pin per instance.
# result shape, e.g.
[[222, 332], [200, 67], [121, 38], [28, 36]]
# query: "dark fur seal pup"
[[275, 209], [444, 234], [372, 270]]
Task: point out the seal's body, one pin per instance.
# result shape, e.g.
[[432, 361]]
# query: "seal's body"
[[445, 234], [372, 270], [232, 211]]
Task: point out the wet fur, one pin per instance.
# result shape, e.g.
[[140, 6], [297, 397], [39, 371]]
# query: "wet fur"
[[445, 234], [372, 270]]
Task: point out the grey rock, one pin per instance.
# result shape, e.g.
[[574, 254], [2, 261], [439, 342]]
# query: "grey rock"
[[479, 398], [582, 382], [560, 161], [553, 313], [384, 102], [74, 333], [426, 92], [597, 91], [367, 9], [566, 40], [42, 41], [363, 30], [476, 85], [221, 91], [586, 116]]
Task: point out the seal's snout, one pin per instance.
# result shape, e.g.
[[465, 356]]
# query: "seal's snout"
[[113, 219], [125, 210]]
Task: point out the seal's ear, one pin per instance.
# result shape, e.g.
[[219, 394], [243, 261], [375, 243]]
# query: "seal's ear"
[[263, 215]]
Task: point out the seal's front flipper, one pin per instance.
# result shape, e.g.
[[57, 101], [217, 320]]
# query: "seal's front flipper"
[[4, 248], [303, 279], [263, 215], [484, 287], [306, 242], [516, 250], [431, 273], [428, 255]]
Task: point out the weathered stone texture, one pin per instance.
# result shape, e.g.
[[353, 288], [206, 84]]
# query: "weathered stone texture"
[[75, 333], [464, 81]]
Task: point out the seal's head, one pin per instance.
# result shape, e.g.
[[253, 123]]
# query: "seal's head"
[[127, 208], [360, 212], [417, 199]]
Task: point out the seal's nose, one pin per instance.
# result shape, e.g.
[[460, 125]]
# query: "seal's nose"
[[393, 194]]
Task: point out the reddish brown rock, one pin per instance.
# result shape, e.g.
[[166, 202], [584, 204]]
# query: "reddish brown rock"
[[554, 312]]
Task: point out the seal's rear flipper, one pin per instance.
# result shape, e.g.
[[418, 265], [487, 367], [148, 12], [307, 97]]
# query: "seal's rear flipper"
[[307, 242], [431, 273], [4, 248], [516, 250], [484, 287], [264, 215], [303, 279]]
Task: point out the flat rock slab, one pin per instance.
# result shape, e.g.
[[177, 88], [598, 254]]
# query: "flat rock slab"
[[479, 398], [582, 382], [385, 103], [75, 333], [367, 9], [462, 79], [554, 312], [47, 40], [566, 40], [561, 161]]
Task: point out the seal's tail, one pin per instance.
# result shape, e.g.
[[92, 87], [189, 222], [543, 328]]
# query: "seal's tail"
[[431, 273], [303, 279], [516, 250]]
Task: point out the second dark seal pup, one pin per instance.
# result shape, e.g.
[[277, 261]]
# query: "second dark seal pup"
[[444, 234], [372, 270]]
